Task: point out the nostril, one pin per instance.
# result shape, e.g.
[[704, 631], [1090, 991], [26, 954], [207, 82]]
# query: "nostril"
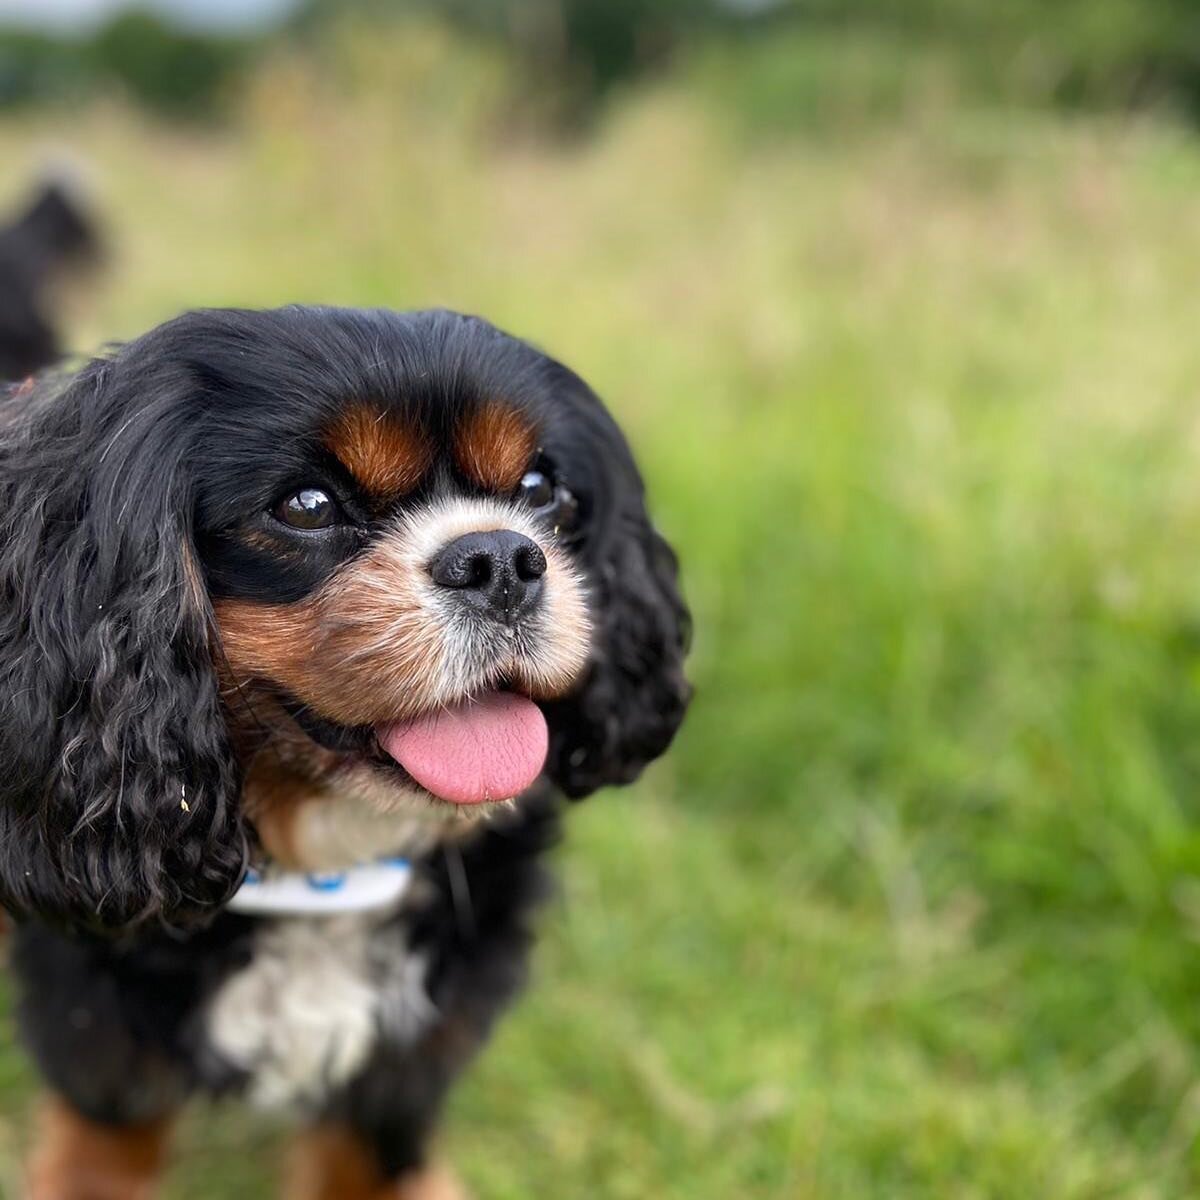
[[529, 562], [478, 571], [462, 566]]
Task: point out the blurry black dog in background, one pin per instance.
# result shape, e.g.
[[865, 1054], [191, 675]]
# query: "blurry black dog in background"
[[52, 238]]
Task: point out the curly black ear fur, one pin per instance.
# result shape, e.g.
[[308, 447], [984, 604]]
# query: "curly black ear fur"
[[634, 696], [118, 790]]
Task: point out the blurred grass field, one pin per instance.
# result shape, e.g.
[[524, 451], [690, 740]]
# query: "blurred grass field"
[[912, 908]]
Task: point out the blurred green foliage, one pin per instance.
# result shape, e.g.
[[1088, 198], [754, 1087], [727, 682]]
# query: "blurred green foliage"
[[163, 67], [175, 72], [781, 59], [774, 65], [1076, 53]]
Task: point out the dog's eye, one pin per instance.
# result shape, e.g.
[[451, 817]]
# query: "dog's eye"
[[549, 499], [309, 508], [536, 490]]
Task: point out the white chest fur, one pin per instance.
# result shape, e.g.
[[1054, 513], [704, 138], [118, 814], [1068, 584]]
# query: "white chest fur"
[[304, 1015]]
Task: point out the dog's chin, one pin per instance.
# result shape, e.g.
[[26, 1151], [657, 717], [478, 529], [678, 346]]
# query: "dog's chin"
[[359, 809]]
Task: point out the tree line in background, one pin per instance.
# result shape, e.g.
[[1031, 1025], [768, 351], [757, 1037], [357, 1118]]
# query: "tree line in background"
[[780, 59]]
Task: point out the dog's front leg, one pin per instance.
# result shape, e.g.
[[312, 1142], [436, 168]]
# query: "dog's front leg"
[[331, 1162], [75, 1158]]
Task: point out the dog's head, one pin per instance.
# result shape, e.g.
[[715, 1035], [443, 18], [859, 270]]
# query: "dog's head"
[[254, 556]]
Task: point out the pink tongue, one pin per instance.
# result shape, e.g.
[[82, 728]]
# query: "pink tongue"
[[488, 748]]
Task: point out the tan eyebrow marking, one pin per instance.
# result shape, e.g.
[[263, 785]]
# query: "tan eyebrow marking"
[[386, 456], [495, 446]]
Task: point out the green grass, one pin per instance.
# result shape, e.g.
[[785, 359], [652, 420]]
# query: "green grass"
[[912, 908]]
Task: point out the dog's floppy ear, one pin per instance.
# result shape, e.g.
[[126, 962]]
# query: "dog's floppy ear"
[[634, 695], [118, 790]]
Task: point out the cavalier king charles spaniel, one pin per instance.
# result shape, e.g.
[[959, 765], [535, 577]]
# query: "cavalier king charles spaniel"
[[308, 618]]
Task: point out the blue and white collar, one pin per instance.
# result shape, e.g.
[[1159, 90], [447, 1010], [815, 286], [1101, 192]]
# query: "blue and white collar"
[[367, 887]]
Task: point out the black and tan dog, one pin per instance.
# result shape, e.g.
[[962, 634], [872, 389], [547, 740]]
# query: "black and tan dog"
[[52, 237], [306, 590]]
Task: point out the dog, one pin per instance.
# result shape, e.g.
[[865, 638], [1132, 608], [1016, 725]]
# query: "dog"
[[54, 236], [309, 620]]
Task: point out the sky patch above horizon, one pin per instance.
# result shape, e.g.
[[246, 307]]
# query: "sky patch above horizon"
[[82, 16]]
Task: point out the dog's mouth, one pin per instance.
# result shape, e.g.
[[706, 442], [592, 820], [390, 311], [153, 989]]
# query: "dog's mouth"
[[487, 747]]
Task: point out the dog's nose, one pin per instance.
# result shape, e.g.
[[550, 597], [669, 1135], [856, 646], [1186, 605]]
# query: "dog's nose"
[[499, 571]]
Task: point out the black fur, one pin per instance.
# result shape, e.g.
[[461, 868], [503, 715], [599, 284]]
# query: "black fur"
[[110, 721], [51, 235], [633, 700], [133, 493]]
